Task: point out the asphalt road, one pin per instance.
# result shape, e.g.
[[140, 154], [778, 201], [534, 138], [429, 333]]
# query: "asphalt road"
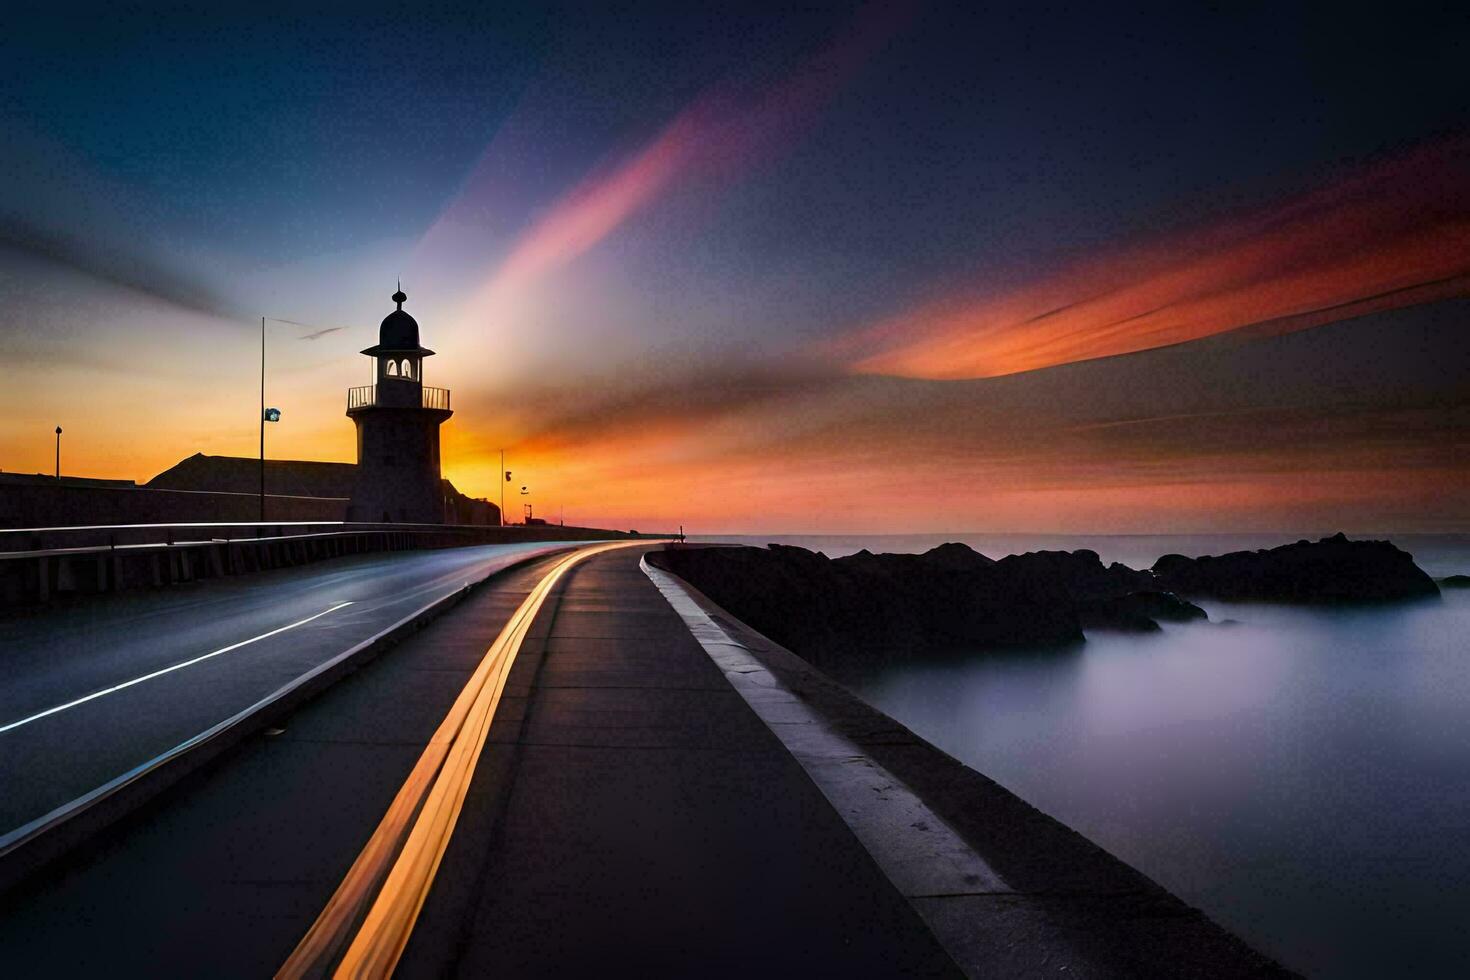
[[97, 686]]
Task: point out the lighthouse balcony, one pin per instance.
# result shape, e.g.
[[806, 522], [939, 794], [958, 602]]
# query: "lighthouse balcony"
[[398, 395]]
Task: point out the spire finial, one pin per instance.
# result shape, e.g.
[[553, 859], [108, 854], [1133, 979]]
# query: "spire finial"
[[399, 296]]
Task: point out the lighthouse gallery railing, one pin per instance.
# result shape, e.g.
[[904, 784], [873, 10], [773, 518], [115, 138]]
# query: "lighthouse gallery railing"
[[367, 395]]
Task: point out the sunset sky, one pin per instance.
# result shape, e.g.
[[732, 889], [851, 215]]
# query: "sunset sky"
[[916, 267]]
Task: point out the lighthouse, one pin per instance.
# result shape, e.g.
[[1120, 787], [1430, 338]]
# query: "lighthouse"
[[398, 419]]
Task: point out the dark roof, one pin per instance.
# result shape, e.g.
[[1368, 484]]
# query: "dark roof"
[[283, 477], [70, 481], [240, 474]]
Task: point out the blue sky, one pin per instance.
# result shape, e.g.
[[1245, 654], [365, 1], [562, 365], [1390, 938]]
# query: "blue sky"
[[713, 197]]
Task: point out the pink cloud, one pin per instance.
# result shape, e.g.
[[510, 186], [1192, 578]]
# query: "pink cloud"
[[720, 134]]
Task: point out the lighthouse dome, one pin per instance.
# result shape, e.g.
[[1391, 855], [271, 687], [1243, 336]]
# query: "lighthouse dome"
[[399, 329]]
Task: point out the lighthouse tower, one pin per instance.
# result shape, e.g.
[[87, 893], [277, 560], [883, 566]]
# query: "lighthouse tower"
[[398, 423]]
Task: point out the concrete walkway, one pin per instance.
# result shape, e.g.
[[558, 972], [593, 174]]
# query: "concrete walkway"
[[636, 817]]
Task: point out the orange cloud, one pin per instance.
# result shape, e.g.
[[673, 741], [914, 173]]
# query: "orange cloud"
[[796, 491], [1068, 450], [1393, 234]]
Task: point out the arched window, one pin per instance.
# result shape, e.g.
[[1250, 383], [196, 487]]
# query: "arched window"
[[408, 369], [392, 369]]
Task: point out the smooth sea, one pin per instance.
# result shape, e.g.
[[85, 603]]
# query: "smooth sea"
[[1301, 774]]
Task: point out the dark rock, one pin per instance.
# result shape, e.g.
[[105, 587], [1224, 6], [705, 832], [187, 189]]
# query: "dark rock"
[[1081, 573], [880, 604], [956, 557], [1334, 569], [1455, 582], [1138, 612], [952, 598], [1114, 614], [1105, 597]]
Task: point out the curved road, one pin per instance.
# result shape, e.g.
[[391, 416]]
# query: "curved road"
[[96, 687]]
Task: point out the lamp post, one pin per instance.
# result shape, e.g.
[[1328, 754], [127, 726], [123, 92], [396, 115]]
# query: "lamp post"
[[262, 420], [266, 414], [274, 414], [58, 454]]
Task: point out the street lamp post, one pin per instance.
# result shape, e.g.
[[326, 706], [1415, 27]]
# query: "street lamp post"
[[262, 419], [266, 415], [273, 414], [58, 454]]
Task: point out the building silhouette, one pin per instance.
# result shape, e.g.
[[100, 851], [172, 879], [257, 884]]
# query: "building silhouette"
[[397, 476], [398, 419]]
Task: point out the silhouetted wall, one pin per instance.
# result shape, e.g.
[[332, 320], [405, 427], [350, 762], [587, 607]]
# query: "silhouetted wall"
[[53, 505], [209, 488]]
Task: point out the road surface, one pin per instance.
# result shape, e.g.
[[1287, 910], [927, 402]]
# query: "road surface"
[[98, 685]]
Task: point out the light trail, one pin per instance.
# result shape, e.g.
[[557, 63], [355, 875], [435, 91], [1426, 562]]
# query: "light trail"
[[386, 886]]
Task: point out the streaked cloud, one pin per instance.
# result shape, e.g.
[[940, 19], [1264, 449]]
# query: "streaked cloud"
[[1394, 233], [1263, 434], [129, 267], [720, 134]]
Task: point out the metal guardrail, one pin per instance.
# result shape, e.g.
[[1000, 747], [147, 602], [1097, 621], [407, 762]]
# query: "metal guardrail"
[[16, 542], [366, 396], [34, 567]]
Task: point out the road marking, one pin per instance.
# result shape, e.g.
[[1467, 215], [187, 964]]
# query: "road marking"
[[386, 886], [167, 670]]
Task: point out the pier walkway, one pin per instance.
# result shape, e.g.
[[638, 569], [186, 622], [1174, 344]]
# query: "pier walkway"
[[624, 783]]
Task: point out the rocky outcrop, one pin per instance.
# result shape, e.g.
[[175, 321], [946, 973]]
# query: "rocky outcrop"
[[950, 598], [954, 598], [1455, 582], [880, 604], [1333, 569], [1105, 597]]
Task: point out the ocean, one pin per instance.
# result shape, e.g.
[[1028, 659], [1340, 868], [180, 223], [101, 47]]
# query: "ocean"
[[1301, 774]]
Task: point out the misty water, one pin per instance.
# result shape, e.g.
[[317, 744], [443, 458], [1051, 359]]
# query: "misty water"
[[1301, 774]]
